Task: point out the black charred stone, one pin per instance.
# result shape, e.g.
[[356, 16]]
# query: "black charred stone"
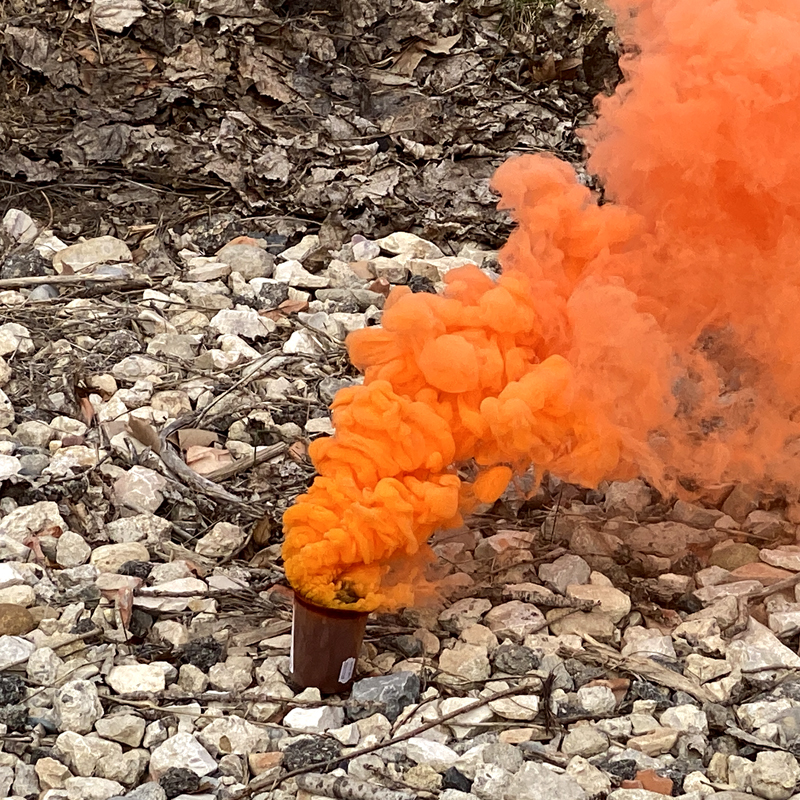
[[271, 295], [453, 779], [721, 718], [311, 750], [689, 603], [419, 283], [120, 343], [409, 646], [82, 626], [515, 659], [137, 569], [179, 780], [276, 242], [90, 596], [28, 264], [202, 653], [623, 768], [140, 623], [677, 774], [643, 690], [12, 689], [36, 753], [15, 718]]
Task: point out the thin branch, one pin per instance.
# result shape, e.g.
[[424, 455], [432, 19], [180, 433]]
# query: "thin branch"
[[115, 281], [345, 788], [257, 785]]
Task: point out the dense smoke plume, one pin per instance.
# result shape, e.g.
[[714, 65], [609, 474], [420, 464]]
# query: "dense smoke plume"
[[654, 335]]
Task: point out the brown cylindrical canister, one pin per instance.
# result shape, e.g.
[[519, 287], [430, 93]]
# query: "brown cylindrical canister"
[[325, 645]]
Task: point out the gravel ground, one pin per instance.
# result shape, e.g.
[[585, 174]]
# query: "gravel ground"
[[591, 643]]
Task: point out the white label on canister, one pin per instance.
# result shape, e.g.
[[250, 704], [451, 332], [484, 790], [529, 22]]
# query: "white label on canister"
[[346, 672], [291, 649]]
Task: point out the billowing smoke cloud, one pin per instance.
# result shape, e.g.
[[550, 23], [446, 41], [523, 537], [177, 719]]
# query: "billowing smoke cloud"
[[655, 334]]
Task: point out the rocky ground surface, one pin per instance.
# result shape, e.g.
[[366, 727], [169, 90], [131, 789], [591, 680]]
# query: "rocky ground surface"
[[200, 200], [593, 643]]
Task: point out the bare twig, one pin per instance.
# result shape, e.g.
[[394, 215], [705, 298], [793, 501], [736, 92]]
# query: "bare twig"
[[552, 601], [253, 370], [743, 602], [346, 788], [257, 784], [114, 281], [96, 38], [786, 583], [567, 612], [601, 654], [176, 464], [50, 208]]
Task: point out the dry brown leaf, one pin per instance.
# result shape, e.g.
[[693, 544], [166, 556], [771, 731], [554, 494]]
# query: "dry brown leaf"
[[204, 460], [262, 531], [88, 54], [443, 45], [124, 604], [388, 78], [567, 66], [263, 560], [409, 59], [381, 286], [144, 432], [293, 306], [194, 437], [362, 269], [267, 80], [241, 240], [297, 451], [198, 569], [546, 71], [34, 544], [149, 61], [138, 255], [87, 410], [286, 308]]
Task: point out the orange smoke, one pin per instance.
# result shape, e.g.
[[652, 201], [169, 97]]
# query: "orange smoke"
[[652, 335]]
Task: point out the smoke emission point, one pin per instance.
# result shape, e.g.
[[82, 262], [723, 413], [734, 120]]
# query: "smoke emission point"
[[654, 335]]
